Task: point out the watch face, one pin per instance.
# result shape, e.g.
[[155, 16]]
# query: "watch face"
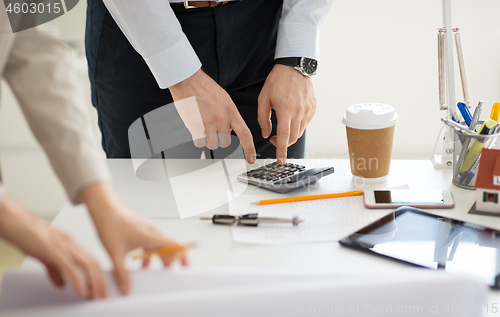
[[309, 66]]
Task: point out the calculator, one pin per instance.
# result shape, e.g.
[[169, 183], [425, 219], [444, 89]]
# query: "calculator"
[[284, 178]]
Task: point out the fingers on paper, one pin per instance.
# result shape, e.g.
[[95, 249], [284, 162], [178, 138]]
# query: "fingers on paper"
[[55, 275], [69, 270], [93, 273], [121, 274], [146, 262]]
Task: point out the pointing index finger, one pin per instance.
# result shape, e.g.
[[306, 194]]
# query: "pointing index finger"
[[283, 134], [246, 139]]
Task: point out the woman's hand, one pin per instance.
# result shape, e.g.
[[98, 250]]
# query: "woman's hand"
[[65, 259], [121, 231]]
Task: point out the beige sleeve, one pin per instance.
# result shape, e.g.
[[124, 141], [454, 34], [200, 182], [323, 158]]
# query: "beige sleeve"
[[39, 70]]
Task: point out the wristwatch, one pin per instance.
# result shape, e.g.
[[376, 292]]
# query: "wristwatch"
[[306, 66]]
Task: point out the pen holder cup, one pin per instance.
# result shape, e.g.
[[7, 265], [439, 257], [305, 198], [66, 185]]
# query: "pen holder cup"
[[466, 155]]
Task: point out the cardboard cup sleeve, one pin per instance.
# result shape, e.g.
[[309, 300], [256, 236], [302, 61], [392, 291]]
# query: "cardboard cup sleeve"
[[370, 151]]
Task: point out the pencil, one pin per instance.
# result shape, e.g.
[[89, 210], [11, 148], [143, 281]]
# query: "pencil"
[[166, 250], [310, 197]]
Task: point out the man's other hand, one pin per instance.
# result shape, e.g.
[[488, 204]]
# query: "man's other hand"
[[213, 116], [292, 97]]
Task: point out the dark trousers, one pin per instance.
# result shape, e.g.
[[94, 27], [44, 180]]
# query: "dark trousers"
[[235, 42]]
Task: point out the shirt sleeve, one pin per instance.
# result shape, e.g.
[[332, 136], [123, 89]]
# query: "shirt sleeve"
[[155, 33], [298, 30], [39, 72]]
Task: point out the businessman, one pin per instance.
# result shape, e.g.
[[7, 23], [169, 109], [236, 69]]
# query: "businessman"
[[248, 64]]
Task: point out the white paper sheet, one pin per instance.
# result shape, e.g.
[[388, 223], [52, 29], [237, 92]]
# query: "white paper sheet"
[[324, 220], [250, 292]]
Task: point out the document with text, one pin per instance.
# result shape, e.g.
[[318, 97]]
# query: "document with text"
[[323, 220]]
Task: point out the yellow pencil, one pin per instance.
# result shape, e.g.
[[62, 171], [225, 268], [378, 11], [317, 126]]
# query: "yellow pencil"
[[310, 197], [166, 250]]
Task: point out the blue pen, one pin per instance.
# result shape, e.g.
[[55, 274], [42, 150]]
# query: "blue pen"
[[464, 110]]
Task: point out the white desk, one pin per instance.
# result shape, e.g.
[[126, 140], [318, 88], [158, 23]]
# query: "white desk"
[[216, 248]]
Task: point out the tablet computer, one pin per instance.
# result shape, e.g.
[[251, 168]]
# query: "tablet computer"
[[414, 236]]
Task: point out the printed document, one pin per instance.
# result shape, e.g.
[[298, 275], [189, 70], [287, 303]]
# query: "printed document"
[[323, 220]]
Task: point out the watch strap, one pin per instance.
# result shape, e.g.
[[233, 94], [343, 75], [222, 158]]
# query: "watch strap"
[[289, 61]]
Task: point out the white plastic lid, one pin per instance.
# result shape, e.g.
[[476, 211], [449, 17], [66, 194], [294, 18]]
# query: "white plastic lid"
[[370, 116]]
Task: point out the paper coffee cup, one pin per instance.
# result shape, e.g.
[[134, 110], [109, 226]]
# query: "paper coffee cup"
[[370, 134]]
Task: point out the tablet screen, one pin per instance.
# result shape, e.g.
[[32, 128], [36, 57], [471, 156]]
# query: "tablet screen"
[[423, 239]]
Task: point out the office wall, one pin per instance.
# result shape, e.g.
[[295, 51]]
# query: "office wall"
[[386, 51], [371, 51]]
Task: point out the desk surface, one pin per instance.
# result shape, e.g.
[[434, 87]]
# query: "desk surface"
[[215, 247]]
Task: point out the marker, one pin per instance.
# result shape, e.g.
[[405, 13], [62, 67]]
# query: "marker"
[[488, 127], [495, 111], [464, 110]]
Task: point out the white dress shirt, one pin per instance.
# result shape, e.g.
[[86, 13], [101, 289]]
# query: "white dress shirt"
[[155, 33], [38, 68]]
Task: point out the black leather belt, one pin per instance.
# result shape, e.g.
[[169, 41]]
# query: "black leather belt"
[[200, 4]]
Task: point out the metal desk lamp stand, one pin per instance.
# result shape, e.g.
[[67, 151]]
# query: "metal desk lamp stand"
[[447, 100]]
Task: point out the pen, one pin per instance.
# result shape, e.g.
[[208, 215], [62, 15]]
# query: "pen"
[[163, 251], [464, 110], [457, 126], [249, 220], [495, 111], [454, 115], [475, 117], [310, 197]]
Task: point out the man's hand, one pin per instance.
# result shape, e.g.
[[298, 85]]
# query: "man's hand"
[[213, 116], [65, 259], [121, 231], [292, 97]]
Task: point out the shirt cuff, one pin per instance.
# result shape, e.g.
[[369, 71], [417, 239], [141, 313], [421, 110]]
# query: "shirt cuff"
[[85, 174], [297, 40], [174, 64]]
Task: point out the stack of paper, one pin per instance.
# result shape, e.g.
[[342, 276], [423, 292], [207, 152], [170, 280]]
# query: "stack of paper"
[[251, 292]]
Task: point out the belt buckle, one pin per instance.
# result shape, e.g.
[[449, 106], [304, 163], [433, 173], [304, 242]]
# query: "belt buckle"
[[187, 6]]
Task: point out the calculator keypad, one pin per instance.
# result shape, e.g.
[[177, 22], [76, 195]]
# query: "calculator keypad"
[[274, 172]]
